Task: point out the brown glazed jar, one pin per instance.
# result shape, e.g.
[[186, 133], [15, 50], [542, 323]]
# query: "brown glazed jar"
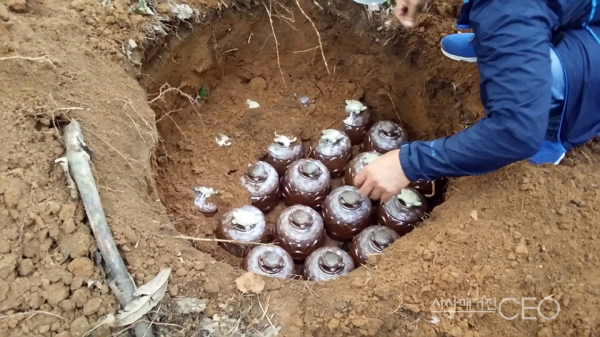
[[334, 150], [429, 189], [372, 240], [262, 182], [402, 212], [282, 152], [384, 136], [270, 261], [307, 182], [327, 263], [358, 121], [357, 164], [346, 213], [202, 201], [299, 231], [243, 224]]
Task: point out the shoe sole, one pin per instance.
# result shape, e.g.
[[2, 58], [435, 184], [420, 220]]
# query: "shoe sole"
[[459, 58]]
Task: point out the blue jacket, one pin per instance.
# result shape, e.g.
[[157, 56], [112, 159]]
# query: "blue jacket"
[[512, 40]]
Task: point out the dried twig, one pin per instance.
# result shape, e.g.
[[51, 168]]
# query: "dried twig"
[[32, 313], [305, 50], [43, 58], [184, 237], [265, 310], [318, 35], [268, 9], [165, 88], [394, 105]]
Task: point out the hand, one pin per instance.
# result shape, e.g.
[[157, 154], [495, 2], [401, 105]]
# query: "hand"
[[406, 11], [383, 178]]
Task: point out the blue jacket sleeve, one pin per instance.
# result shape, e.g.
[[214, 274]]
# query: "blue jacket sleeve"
[[512, 43]]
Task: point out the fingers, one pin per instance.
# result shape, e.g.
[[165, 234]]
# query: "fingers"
[[399, 10], [412, 11], [360, 178], [367, 188], [376, 193], [406, 11]]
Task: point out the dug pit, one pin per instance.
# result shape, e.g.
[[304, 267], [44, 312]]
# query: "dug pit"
[[204, 79]]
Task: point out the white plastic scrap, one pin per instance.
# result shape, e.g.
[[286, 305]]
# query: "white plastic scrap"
[[354, 107], [182, 11], [146, 297], [331, 136], [434, 320], [284, 141], [245, 218], [252, 104], [143, 8], [188, 305], [203, 193], [223, 140], [409, 197]]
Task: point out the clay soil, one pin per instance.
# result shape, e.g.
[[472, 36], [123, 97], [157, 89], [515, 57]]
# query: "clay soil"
[[521, 232]]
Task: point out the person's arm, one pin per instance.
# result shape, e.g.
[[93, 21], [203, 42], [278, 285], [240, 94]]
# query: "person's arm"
[[512, 42]]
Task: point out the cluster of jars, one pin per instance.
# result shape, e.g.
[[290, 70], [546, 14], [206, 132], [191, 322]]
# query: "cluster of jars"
[[314, 210]]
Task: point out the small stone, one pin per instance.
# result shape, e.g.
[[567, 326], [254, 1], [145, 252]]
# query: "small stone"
[[69, 226], [4, 288], [211, 287], [4, 16], [562, 210], [81, 296], [81, 266], [545, 332], [333, 324], [25, 267], [512, 256], [43, 329], [173, 290], [78, 4], [181, 272], [79, 326], [67, 305], [373, 326], [92, 306], [529, 279], [357, 283], [18, 6], [56, 293], [4, 246], [521, 248], [258, 83], [7, 266]]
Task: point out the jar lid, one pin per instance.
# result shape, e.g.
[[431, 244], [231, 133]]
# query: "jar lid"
[[408, 198], [244, 220], [271, 262], [331, 262], [390, 129], [309, 169], [257, 173], [301, 219], [381, 238], [350, 199]]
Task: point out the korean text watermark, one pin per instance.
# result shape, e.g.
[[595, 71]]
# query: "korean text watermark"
[[492, 305]]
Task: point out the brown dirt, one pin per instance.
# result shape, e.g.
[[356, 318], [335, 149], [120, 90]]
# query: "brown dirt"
[[535, 233]]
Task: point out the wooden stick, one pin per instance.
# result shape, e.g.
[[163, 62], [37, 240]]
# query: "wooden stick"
[[79, 168]]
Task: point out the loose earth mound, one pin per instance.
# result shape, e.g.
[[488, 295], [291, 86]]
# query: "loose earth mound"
[[521, 232]]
